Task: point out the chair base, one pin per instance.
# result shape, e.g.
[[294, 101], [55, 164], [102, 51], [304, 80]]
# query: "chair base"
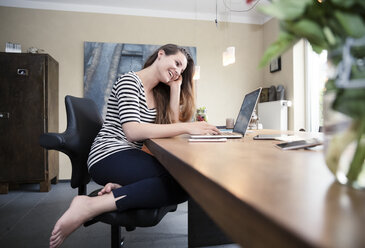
[[117, 241]]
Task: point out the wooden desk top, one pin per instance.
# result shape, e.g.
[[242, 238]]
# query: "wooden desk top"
[[262, 196]]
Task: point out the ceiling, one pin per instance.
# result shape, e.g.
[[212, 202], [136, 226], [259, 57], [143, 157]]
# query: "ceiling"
[[182, 9]]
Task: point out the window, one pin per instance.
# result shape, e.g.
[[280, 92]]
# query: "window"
[[316, 77]]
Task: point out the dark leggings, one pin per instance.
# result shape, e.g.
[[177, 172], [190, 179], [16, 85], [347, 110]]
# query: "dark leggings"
[[145, 183]]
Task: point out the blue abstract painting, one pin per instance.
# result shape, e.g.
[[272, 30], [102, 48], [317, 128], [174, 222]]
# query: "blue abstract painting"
[[105, 62]]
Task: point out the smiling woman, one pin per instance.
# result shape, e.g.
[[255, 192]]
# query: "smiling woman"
[[174, 64], [133, 178]]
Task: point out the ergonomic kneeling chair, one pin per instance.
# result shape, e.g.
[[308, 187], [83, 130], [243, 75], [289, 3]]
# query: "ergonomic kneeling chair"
[[83, 124]]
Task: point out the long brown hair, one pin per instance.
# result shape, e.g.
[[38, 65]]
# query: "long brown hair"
[[161, 92]]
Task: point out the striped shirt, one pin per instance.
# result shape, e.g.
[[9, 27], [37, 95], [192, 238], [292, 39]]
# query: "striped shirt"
[[126, 103]]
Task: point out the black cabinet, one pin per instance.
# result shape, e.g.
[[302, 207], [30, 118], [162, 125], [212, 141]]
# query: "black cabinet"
[[28, 108]]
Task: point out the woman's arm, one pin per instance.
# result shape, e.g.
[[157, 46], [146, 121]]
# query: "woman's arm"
[[175, 89], [140, 131]]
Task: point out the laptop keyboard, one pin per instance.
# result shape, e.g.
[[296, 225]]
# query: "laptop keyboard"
[[228, 134]]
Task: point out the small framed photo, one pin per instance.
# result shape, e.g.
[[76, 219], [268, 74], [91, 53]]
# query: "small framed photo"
[[275, 65]]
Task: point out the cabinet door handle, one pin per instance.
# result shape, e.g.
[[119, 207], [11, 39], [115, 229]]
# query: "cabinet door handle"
[[4, 115], [22, 72]]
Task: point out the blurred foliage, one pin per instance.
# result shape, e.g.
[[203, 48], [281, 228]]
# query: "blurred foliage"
[[326, 26]]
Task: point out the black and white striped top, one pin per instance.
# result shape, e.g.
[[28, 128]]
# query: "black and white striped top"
[[126, 103]]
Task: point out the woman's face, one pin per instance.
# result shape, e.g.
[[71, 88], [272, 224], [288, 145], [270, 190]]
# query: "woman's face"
[[170, 66]]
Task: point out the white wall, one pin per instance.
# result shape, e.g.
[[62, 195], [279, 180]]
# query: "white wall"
[[291, 76], [61, 34]]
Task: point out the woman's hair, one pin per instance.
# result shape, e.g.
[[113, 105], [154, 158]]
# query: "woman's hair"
[[161, 92]]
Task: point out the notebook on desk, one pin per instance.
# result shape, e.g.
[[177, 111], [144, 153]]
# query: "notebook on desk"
[[242, 121]]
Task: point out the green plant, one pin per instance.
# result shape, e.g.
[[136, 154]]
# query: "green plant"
[[337, 26], [201, 114], [325, 25]]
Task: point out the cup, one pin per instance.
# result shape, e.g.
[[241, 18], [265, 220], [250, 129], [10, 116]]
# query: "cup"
[[229, 123]]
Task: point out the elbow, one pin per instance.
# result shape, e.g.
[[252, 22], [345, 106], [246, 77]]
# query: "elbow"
[[130, 132], [130, 137], [133, 132]]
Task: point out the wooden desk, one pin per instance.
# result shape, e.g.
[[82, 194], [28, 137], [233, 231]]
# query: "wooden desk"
[[265, 197]]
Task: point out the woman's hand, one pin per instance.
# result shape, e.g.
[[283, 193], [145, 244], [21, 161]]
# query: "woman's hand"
[[176, 83], [108, 188], [202, 127]]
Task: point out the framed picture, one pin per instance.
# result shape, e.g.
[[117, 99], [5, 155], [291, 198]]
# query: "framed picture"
[[275, 65]]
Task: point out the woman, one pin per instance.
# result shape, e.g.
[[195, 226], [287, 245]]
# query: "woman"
[[155, 102]]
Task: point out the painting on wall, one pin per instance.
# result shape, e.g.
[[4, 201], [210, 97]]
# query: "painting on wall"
[[105, 62]]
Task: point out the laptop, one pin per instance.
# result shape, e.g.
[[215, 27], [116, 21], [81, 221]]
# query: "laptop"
[[242, 121]]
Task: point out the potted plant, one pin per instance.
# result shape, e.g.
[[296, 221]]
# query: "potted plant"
[[337, 26], [201, 114]]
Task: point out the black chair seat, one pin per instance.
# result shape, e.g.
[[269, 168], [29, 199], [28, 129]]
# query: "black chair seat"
[[132, 218]]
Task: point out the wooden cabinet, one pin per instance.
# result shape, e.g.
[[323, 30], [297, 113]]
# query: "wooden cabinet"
[[28, 108]]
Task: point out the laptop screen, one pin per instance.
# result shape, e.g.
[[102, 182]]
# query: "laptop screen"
[[247, 107]]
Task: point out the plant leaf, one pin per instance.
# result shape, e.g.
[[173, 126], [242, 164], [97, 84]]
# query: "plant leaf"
[[283, 43], [358, 51], [308, 29], [329, 36], [352, 24], [361, 3], [351, 102], [285, 9], [359, 156], [344, 3], [317, 49]]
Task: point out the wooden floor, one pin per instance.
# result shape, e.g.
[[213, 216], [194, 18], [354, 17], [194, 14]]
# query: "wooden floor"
[[27, 217]]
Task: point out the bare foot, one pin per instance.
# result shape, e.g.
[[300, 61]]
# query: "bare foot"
[[82, 208], [75, 216]]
